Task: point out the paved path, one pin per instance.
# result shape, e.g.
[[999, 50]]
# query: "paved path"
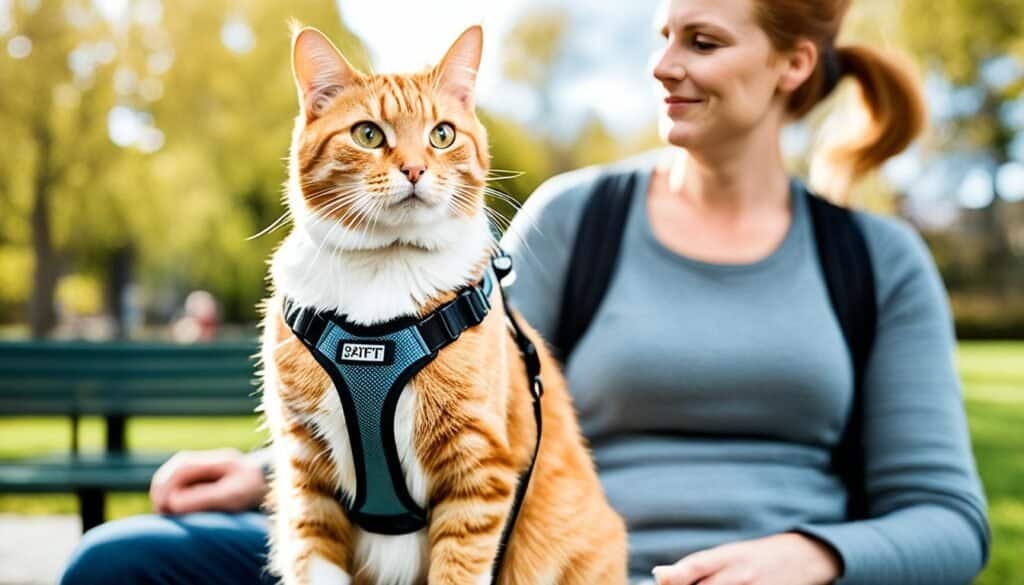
[[33, 549]]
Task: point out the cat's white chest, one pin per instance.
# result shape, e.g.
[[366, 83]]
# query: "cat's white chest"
[[392, 559]]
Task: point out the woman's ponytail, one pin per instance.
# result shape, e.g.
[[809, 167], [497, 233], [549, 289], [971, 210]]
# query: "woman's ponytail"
[[890, 93], [896, 112]]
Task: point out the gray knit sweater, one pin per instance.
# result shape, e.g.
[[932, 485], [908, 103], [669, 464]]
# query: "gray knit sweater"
[[712, 394]]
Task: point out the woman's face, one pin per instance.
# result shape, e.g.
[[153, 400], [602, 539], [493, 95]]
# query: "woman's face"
[[717, 72]]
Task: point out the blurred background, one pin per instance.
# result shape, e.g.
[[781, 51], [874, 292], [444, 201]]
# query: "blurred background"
[[142, 145]]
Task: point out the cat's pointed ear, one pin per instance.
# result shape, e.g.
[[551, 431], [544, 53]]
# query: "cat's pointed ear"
[[456, 74], [320, 71]]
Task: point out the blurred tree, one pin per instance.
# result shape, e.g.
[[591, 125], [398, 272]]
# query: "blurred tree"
[[55, 127], [978, 45], [228, 112], [531, 52], [147, 135], [595, 144], [520, 160]]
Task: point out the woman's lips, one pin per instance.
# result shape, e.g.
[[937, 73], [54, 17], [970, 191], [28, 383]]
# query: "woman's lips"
[[678, 104]]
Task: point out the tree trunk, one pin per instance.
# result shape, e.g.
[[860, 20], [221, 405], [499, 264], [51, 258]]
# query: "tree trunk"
[[998, 250], [42, 312], [119, 277]]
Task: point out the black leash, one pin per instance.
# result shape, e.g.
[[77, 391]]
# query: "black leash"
[[502, 265]]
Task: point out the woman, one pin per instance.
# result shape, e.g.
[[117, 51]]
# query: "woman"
[[714, 381], [716, 327]]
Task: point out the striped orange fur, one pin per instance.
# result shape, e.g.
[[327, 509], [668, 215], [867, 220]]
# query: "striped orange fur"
[[471, 424]]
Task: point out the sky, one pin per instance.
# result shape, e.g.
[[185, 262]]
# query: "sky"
[[603, 70]]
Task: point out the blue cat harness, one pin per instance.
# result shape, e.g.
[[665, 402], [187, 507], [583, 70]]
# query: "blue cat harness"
[[371, 365]]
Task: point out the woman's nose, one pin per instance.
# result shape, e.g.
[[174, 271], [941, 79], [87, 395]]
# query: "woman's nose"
[[666, 67]]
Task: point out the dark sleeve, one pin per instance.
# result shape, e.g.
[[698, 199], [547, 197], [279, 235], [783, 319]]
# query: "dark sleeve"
[[540, 242], [928, 522]]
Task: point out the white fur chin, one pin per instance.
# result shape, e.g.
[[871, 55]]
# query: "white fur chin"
[[370, 279]]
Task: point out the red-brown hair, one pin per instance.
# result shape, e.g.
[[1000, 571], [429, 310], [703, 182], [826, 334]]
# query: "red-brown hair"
[[890, 90]]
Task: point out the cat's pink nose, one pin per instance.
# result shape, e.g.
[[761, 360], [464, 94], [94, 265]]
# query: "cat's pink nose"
[[413, 172]]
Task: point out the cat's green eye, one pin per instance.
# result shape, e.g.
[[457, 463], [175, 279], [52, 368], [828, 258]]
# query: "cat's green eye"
[[442, 136], [368, 135]]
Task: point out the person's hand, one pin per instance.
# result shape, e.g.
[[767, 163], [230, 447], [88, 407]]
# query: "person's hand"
[[789, 558], [223, 480]]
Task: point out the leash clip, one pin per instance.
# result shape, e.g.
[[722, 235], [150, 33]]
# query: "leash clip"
[[537, 387], [502, 264]]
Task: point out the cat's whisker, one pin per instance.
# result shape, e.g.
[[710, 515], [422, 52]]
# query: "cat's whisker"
[[347, 185], [373, 213], [327, 238], [463, 189], [503, 177], [339, 201], [503, 196], [464, 206], [325, 212], [343, 195], [496, 220], [463, 198], [281, 221]]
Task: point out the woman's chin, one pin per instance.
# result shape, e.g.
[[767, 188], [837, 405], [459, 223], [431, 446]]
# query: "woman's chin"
[[679, 133]]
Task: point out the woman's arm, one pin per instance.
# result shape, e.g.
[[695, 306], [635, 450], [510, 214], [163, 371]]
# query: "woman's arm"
[[928, 522]]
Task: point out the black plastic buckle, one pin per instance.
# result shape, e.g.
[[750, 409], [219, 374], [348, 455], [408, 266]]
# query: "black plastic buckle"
[[450, 319], [475, 304]]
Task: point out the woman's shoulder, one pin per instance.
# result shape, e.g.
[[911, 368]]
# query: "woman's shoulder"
[[570, 189], [557, 204], [563, 194], [900, 257]]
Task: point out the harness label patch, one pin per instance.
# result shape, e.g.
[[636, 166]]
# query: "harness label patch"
[[360, 352]]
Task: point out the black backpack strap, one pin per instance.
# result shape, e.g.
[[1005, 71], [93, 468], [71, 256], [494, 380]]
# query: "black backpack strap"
[[594, 256], [850, 278]]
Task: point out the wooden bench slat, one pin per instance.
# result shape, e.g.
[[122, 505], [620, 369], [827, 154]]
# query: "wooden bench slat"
[[67, 473], [115, 381]]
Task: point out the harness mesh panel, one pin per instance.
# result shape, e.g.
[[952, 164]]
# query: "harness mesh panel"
[[369, 385]]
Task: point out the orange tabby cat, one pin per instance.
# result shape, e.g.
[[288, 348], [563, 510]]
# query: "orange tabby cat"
[[386, 186]]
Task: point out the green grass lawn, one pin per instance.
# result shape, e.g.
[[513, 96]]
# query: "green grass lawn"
[[993, 376]]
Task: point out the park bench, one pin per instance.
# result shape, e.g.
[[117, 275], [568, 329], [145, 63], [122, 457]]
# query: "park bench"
[[115, 381]]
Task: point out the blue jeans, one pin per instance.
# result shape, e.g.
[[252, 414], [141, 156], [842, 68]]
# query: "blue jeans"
[[206, 548], [214, 548]]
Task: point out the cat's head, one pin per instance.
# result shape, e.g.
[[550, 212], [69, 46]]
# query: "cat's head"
[[384, 159]]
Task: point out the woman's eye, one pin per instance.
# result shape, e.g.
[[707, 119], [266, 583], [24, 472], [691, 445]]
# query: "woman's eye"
[[703, 46], [442, 136], [368, 135]]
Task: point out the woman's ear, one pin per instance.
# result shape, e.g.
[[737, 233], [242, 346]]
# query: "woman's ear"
[[320, 71], [798, 65], [456, 74]]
